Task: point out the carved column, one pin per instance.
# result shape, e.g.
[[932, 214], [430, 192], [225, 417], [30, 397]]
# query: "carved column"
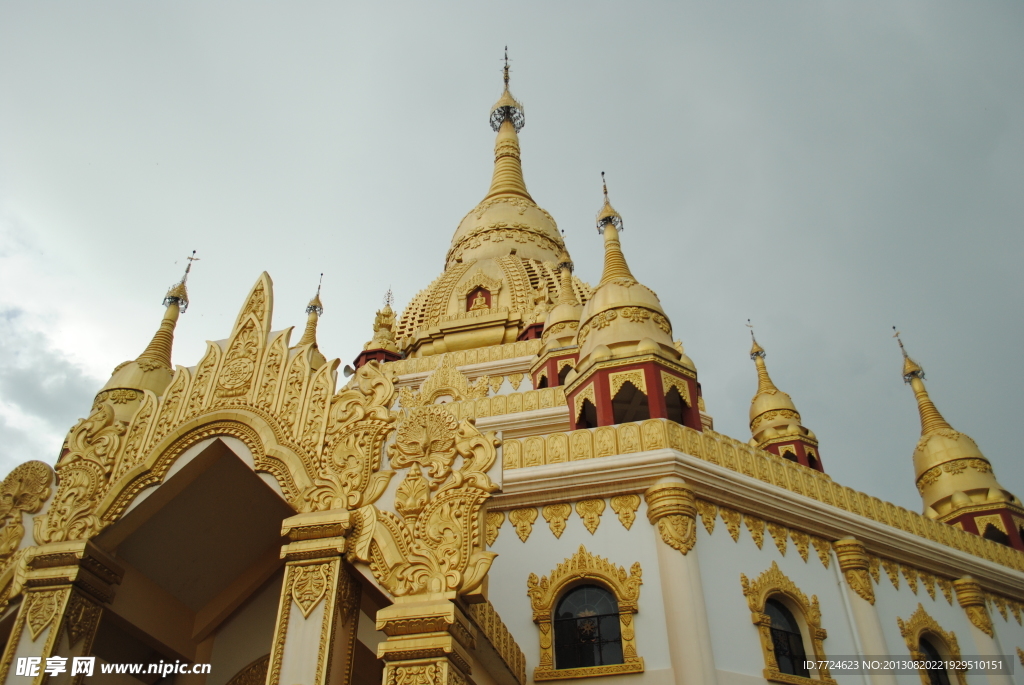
[[971, 597], [318, 615], [853, 562], [427, 642], [66, 587], [672, 508]]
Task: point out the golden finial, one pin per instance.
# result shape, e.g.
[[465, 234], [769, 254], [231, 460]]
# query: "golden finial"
[[507, 107], [178, 293], [315, 305], [911, 369], [755, 349], [389, 298], [607, 215]]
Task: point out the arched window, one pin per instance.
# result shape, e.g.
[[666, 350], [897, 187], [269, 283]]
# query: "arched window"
[[587, 629], [542, 383], [786, 454], [936, 676], [629, 404], [812, 460], [588, 415], [675, 407], [563, 372], [996, 535], [787, 642], [789, 625], [927, 641], [584, 610]]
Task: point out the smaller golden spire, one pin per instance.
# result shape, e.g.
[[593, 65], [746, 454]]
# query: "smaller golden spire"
[[158, 353], [757, 355], [566, 293], [314, 310], [931, 420], [609, 223], [507, 120], [383, 327]]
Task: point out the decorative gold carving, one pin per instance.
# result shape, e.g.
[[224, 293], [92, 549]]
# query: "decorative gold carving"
[[756, 527], [853, 562], [590, 511], [555, 515], [636, 377], [43, 606], [873, 568], [545, 592], [480, 280], [586, 394], [672, 508], [929, 582], [954, 467], [516, 380], [81, 618], [972, 599], [1020, 656], [910, 573], [892, 569], [919, 625], [23, 490], [625, 507], [823, 549], [495, 519], [500, 638], [802, 542], [309, 585], [523, 520], [253, 674], [779, 535], [732, 520], [773, 582], [668, 381], [445, 381], [437, 545], [708, 513], [1001, 606]]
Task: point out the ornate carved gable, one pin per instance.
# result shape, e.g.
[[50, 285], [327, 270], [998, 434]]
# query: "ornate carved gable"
[[445, 381]]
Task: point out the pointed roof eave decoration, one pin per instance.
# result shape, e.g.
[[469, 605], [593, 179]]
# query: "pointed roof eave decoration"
[[609, 223]]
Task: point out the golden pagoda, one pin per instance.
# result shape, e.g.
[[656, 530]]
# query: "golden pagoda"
[[516, 482]]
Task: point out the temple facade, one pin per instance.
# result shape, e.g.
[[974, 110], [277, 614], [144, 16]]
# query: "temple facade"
[[516, 480]]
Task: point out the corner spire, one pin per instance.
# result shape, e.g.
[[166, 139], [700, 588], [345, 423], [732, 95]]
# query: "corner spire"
[[757, 355], [566, 293], [158, 353], [932, 421], [507, 120], [609, 223]]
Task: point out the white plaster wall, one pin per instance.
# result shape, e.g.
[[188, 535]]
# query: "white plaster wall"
[[247, 634], [735, 641], [542, 552]]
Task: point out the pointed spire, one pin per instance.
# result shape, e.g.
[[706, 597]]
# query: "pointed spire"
[[609, 223], [931, 420], [314, 310], [757, 354], [566, 293], [158, 353], [507, 120]]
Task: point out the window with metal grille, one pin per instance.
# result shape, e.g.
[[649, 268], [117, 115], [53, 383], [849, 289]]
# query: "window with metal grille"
[[787, 643], [587, 629]]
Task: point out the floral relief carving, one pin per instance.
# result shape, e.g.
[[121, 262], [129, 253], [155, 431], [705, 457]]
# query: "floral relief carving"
[[24, 490], [495, 519], [779, 535], [310, 583], [708, 513], [732, 519], [556, 515], [43, 606], [625, 507], [590, 511], [756, 527], [523, 520]]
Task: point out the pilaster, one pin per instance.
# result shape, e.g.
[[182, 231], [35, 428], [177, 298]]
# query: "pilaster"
[[854, 565], [972, 599], [428, 642], [66, 587], [318, 614], [671, 507]]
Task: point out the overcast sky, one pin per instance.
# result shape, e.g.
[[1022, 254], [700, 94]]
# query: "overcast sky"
[[826, 169]]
